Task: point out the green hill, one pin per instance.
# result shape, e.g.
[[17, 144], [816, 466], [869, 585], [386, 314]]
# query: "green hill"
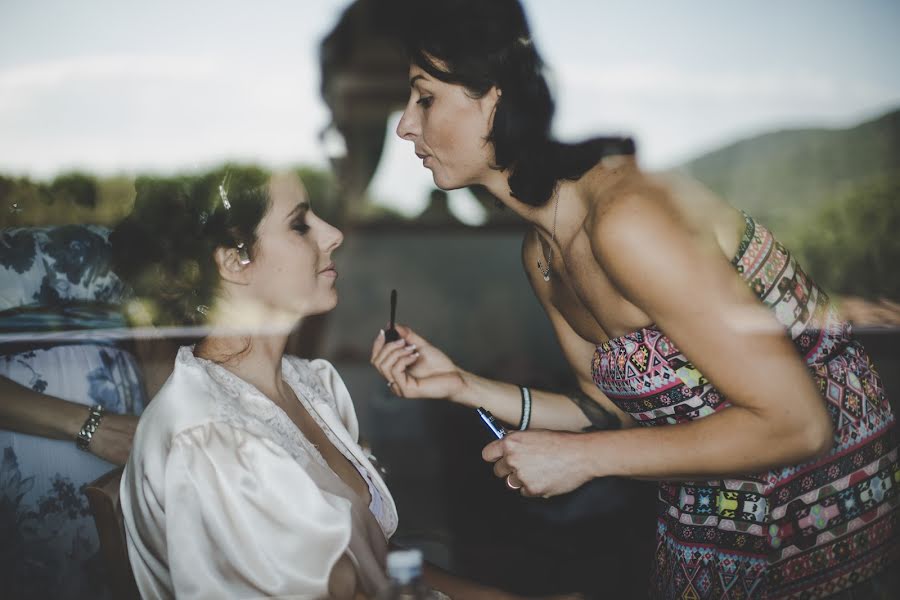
[[781, 175]]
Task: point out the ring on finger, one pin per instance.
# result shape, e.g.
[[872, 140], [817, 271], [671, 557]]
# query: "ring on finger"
[[390, 384], [510, 485]]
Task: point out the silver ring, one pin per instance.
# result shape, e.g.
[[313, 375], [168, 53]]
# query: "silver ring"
[[510, 485], [390, 384]]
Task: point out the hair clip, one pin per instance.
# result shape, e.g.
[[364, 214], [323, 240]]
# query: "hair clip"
[[223, 192], [242, 254], [523, 41], [203, 309]]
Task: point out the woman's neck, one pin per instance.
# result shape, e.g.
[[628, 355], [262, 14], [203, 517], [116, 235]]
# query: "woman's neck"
[[254, 358], [592, 186], [249, 340], [497, 182]]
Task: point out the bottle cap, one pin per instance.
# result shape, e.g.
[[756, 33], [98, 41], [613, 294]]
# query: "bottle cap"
[[404, 565]]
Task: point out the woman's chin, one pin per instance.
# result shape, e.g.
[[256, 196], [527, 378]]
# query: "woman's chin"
[[325, 309], [326, 306], [445, 183]]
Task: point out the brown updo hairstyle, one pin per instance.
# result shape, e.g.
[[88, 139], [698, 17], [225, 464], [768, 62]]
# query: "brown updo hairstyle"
[[165, 248]]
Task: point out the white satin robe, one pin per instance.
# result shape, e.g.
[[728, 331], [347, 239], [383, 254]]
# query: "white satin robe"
[[223, 497]]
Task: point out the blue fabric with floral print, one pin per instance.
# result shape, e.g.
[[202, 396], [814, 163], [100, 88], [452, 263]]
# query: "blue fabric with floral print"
[[52, 278]]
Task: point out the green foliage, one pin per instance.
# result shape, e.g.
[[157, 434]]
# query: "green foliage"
[[852, 246], [6, 187], [21, 196], [75, 188], [830, 195], [80, 198], [783, 177]]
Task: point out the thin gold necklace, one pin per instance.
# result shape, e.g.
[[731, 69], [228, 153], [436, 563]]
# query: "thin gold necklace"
[[546, 272]]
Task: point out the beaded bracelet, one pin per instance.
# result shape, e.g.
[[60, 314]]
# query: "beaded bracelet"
[[526, 408]]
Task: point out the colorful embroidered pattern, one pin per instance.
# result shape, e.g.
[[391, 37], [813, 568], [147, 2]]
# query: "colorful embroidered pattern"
[[804, 531]]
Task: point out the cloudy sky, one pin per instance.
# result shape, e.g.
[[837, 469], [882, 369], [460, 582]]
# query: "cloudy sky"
[[126, 86]]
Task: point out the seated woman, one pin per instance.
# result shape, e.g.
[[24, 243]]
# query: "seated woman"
[[246, 478], [60, 370]]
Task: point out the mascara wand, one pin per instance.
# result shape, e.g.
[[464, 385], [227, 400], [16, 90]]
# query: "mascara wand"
[[391, 334]]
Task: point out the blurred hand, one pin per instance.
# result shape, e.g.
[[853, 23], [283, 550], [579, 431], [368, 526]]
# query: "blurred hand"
[[112, 440], [416, 368], [544, 463]]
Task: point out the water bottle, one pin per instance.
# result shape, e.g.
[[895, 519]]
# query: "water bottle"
[[405, 571]]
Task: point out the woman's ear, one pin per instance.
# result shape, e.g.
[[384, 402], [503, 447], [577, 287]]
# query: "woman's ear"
[[232, 264], [489, 104], [493, 95]]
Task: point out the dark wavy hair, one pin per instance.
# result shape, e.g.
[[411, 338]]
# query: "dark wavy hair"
[[165, 248], [483, 43]]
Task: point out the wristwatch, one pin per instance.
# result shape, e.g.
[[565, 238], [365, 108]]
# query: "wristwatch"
[[83, 439]]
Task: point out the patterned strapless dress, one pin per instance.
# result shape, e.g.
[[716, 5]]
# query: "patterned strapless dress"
[[801, 531]]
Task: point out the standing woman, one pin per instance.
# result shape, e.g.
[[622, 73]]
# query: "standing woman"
[[761, 416]]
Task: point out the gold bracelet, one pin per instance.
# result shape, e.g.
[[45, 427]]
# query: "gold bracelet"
[[83, 439]]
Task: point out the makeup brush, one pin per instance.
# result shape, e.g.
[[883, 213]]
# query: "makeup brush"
[[391, 334]]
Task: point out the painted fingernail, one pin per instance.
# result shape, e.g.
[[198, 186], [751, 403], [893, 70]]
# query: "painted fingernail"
[[381, 333]]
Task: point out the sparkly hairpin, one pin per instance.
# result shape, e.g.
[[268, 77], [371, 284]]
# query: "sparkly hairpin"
[[223, 192], [243, 255]]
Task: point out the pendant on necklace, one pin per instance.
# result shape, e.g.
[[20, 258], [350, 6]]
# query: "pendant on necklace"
[[544, 274]]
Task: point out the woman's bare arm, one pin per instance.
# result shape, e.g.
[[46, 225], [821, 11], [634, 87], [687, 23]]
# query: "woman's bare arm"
[[776, 415], [34, 413]]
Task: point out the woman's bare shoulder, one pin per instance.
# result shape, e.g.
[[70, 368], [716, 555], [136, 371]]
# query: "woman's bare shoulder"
[[642, 205], [620, 206]]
